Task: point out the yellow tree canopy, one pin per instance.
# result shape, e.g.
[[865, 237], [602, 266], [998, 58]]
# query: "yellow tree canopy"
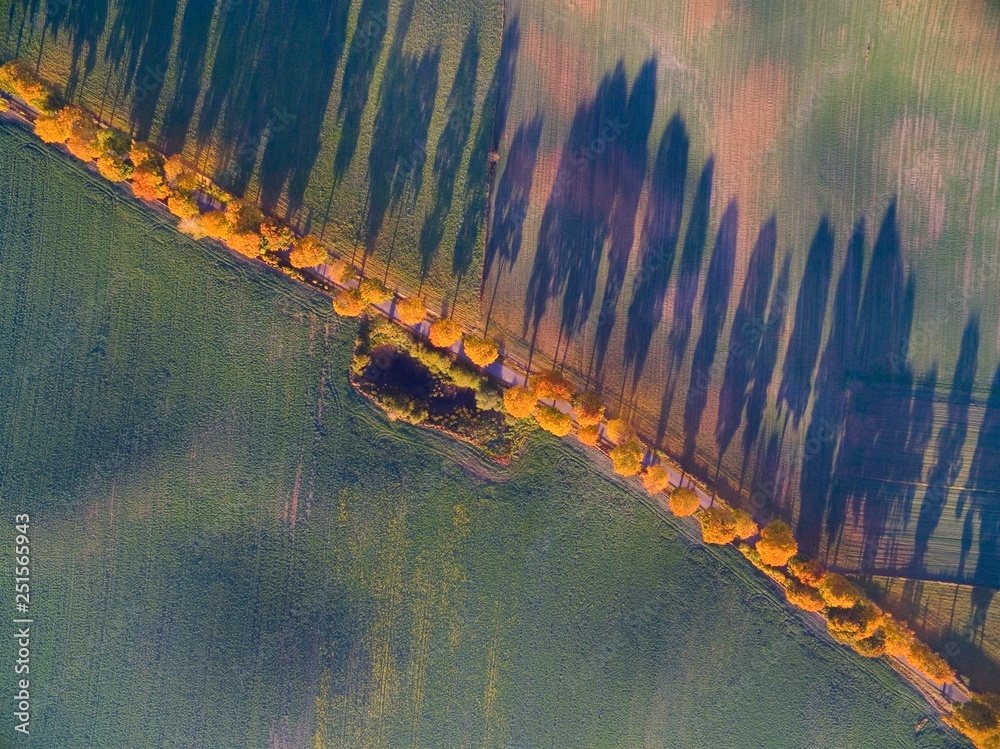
[[626, 458], [481, 351], [348, 303], [718, 525], [777, 544], [519, 402], [589, 409], [551, 385], [410, 311], [684, 501], [588, 435], [373, 292], [553, 420], [308, 252], [618, 430], [746, 527], [838, 591], [656, 478], [444, 332]]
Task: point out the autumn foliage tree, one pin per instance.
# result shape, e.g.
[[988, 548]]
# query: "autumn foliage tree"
[[718, 525], [444, 332], [20, 80], [275, 236], [551, 385], [553, 420], [216, 224], [373, 292], [519, 402], [348, 303], [656, 478], [684, 501], [308, 252], [777, 544], [588, 435], [182, 205], [411, 311], [804, 596], [746, 527], [588, 408], [806, 571], [979, 719], [618, 430], [626, 458], [481, 351]]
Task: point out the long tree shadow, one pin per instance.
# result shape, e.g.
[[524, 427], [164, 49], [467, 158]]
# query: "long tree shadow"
[[359, 70], [460, 108], [312, 45], [478, 175], [807, 330], [629, 156], [510, 209], [981, 497], [192, 46], [84, 22], [951, 439], [714, 308], [687, 290], [657, 245], [826, 423], [745, 336], [765, 361]]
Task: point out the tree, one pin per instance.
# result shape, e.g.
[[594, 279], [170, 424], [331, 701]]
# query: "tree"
[[143, 155], [174, 169], [553, 420], [245, 242], [410, 311], [148, 183], [804, 596], [183, 205], [348, 303], [216, 224], [51, 129], [718, 526], [746, 526], [589, 409], [113, 169], [777, 544], [898, 637], [588, 435], [20, 80], [929, 663], [870, 647], [856, 623], [82, 140], [519, 402], [276, 236], [551, 385], [626, 458], [806, 571], [308, 252], [656, 478], [243, 216], [373, 292], [684, 501], [618, 430], [978, 719], [838, 592], [481, 351], [444, 332]]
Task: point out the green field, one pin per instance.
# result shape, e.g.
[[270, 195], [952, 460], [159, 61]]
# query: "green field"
[[821, 378], [232, 549], [362, 122]]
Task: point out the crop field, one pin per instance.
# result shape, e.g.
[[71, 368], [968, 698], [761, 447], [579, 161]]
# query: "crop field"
[[768, 233], [368, 123], [231, 548]]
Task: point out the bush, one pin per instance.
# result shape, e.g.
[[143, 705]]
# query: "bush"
[[348, 303], [437, 362], [193, 227], [276, 237], [553, 420], [589, 435], [519, 402], [589, 409], [308, 252], [216, 224], [551, 385], [656, 478], [804, 596], [489, 398], [373, 292], [481, 351], [20, 80], [618, 430], [684, 501], [444, 332], [746, 526], [777, 544], [718, 526], [806, 571], [183, 205], [410, 311], [464, 377], [838, 592], [405, 408], [626, 458]]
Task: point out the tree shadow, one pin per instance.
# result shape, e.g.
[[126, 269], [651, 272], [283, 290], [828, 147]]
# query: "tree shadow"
[[628, 159], [830, 403], [511, 206], [951, 439], [479, 173], [807, 331], [84, 22], [745, 339], [359, 70], [657, 245], [982, 496], [192, 45], [311, 48], [451, 144], [713, 311], [688, 275]]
